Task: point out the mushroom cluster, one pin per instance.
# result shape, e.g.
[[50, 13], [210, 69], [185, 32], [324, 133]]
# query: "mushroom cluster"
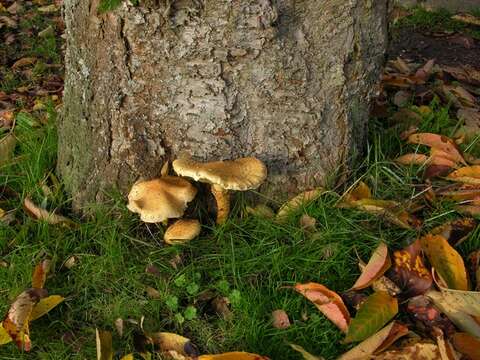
[[165, 198]]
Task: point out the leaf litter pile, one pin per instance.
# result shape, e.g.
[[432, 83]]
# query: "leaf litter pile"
[[414, 300]]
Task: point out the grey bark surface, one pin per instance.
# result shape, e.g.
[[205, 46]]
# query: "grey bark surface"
[[286, 81]]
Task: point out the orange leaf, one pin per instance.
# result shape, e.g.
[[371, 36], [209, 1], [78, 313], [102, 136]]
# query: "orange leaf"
[[236, 355], [412, 159], [467, 175], [40, 274], [455, 231], [376, 267], [42, 214], [439, 142], [467, 345], [446, 261], [328, 302]]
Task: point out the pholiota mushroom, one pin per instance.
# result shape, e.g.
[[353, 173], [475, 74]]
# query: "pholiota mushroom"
[[181, 231], [241, 174], [160, 199]]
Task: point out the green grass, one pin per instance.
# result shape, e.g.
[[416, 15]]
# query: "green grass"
[[251, 260], [437, 21]]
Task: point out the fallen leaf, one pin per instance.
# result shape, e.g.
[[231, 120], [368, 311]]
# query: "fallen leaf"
[[48, 9], [464, 73], [466, 301], [439, 142], [221, 305], [119, 326], [402, 98], [378, 264], [297, 202], [42, 214], [7, 146], [374, 313], [261, 210], [328, 302], [455, 231], [446, 261], [467, 345], [280, 319], [467, 18], [40, 274], [71, 262], [376, 343], [409, 271], [444, 346], [400, 65], [26, 61], [104, 345], [170, 342], [412, 159], [459, 96], [467, 175], [17, 318], [152, 293], [427, 317], [307, 223], [306, 355], [45, 305], [4, 337], [425, 71], [418, 351], [236, 355], [462, 320]]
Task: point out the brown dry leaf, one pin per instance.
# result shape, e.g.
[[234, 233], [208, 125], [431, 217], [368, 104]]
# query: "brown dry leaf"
[[261, 210], [119, 325], [474, 267], [467, 175], [400, 65], [460, 192], [221, 305], [455, 231], [104, 345], [152, 293], [402, 98], [467, 345], [42, 214], [48, 9], [328, 302], [306, 355], [71, 262], [425, 71], [7, 21], [409, 271], [378, 264], [376, 343], [6, 118], [467, 18], [17, 318], [40, 274], [459, 95], [297, 202], [307, 223], [465, 73], [470, 210], [280, 319], [446, 261], [418, 351], [26, 61], [444, 346], [462, 320]]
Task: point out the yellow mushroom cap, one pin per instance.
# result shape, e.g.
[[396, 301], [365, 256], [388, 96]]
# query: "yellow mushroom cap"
[[182, 231], [160, 199], [241, 174]]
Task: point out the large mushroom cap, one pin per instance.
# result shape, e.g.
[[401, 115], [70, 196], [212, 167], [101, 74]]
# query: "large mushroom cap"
[[241, 174], [181, 231], [160, 199]]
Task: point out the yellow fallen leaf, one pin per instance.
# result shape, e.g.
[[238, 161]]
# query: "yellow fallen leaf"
[[235, 355], [298, 201], [467, 175], [104, 345], [45, 305], [4, 337], [306, 355], [127, 357]]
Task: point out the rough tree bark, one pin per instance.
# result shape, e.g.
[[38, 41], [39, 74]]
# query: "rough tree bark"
[[287, 81]]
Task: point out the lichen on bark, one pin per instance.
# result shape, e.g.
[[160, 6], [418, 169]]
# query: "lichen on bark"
[[286, 81]]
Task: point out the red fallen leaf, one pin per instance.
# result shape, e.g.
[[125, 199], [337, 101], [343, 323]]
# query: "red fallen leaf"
[[433, 171], [40, 274], [17, 318], [427, 316], [467, 344], [376, 267], [409, 272], [455, 231], [328, 302], [439, 142]]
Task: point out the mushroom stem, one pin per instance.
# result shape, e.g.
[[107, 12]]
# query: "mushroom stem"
[[222, 198]]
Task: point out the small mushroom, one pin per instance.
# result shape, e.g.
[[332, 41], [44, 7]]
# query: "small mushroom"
[[241, 174], [160, 199], [182, 231]]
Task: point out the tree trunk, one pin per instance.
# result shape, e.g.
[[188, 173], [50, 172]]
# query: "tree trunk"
[[287, 81]]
